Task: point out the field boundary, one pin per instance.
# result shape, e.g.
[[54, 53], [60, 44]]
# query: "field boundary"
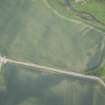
[[4, 60]]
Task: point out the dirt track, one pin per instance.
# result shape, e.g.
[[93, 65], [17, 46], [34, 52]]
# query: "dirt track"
[[49, 69]]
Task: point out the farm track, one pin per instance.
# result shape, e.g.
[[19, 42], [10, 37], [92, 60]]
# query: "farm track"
[[4, 60]]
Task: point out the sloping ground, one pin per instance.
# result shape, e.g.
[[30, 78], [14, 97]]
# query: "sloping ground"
[[37, 32]]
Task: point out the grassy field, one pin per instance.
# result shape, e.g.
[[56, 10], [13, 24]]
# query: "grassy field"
[[45, 32], [90, 7], [46, 38], [95, 7]]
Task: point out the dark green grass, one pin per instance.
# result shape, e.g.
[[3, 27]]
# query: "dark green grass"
[[95, 7]]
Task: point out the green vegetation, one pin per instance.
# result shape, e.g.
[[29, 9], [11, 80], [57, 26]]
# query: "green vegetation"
[[47, 33], [103, 73], [60, 6], [95, 7]]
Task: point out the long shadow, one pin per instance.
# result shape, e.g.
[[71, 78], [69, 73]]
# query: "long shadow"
[[20, 88]]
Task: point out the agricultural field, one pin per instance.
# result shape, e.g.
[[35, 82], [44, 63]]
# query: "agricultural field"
[[46, 32]]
